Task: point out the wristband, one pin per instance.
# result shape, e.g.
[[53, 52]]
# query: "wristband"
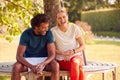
[[73, 50]]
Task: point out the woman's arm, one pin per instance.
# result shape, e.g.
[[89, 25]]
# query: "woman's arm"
[[81, 42]]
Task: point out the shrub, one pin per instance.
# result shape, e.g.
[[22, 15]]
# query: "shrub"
[[87, 31], [103, 20]]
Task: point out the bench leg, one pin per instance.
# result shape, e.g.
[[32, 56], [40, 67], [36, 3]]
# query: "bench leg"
[[64, 77], [103, 76], [114, 74]]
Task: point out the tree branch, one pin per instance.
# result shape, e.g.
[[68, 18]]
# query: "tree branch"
[[18, 5]]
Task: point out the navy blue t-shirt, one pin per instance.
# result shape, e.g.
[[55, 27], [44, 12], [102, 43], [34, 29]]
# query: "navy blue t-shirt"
[[36, 46]]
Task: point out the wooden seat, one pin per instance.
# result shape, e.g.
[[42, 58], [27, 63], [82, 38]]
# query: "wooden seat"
[[89, 67]]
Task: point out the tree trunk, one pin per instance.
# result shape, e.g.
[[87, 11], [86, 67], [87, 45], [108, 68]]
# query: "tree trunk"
[[50, 8]]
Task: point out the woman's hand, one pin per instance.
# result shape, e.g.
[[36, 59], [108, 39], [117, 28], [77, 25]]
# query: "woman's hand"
[[67, 58], [68, 52]]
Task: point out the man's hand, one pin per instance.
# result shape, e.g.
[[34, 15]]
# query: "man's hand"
[[33, 69], [40, 68]]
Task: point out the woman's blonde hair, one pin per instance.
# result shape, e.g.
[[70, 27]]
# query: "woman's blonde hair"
[[62, 10]]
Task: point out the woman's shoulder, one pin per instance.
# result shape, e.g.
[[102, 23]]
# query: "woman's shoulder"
[[72, 24], [54, 28]]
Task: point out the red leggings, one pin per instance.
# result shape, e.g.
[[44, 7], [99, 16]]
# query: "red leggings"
[[74, 66]]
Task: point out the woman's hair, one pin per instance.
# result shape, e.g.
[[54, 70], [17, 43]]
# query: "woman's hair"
[[38, 19], [62, 10]]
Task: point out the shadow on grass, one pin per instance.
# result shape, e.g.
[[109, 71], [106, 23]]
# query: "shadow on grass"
[[4, 77]]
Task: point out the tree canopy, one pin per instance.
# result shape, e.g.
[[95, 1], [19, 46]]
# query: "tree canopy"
[[16, 14]]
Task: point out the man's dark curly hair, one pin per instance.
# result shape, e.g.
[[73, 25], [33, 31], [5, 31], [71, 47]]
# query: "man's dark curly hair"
[[38, 19]]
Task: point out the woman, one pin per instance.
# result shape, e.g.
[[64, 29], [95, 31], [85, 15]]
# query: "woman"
[[69, 44]]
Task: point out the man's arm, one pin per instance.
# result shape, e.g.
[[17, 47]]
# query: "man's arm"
[[51, 53], [20, 51]]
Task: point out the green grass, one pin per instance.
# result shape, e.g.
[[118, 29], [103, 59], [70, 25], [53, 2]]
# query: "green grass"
[[4, 77], [104, 51], [101, 51]]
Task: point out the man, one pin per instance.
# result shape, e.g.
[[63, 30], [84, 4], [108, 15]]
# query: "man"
[[36, 42]]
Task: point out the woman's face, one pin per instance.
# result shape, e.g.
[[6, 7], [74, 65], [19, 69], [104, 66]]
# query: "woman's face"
[[62, 18]]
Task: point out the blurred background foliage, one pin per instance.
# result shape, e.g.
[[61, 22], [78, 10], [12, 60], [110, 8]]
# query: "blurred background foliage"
[[102, 16], [16, 14], [77, 6], [103, 20]]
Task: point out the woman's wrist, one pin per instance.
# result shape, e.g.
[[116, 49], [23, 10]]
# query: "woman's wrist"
[[73, 51]]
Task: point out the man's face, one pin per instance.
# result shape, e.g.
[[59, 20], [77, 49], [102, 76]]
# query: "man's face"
[[41, 29], [62, 19]]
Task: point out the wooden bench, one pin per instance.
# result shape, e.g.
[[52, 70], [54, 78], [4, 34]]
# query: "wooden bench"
[[89, 67]]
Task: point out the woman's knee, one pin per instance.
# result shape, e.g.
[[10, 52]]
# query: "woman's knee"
[[76, 60]]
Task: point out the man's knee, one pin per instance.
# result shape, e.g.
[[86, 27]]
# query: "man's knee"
[[17, 67], [55, 65]]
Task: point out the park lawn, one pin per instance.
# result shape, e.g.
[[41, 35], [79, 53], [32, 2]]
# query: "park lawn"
[[104, 51], [101, 51]]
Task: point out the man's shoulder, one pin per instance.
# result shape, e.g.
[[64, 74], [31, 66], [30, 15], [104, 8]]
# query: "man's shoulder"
[[49, 33], [26, 33], [28, 30]]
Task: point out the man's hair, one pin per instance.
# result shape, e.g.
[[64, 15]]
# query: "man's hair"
[[38, 19]]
